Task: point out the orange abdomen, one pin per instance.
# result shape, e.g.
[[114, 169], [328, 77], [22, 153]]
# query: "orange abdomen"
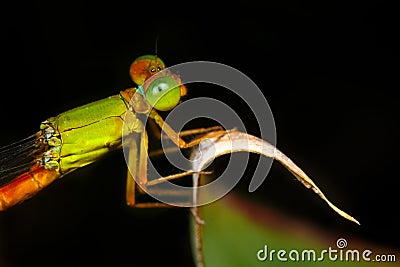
[[26, 185]]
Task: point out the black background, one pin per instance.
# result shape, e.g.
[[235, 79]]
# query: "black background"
[[325, 69]]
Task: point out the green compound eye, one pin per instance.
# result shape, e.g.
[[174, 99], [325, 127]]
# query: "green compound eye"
[[164, 93]]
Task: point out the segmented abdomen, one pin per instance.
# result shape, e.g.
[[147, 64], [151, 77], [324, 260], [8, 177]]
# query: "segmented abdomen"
[[26, 185]]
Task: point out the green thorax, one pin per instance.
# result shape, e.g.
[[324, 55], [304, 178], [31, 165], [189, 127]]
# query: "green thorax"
[[82, 135]]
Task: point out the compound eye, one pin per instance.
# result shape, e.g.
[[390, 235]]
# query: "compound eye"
[[160, 87], [164, 93]]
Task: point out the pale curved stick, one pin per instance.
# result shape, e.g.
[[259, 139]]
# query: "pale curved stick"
[[230, 142], [234, 141]]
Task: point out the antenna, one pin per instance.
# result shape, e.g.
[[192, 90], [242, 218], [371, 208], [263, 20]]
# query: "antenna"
[[156, 46]]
